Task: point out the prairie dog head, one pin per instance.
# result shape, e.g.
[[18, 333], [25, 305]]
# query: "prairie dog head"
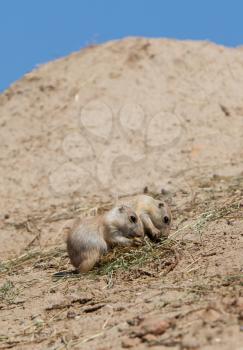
[[161, 215], [158, 211], [123, 221]]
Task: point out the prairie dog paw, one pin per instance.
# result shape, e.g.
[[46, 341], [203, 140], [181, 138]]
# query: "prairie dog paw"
[[155, 232]]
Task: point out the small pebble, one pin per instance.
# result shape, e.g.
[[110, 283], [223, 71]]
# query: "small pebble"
[[155, 326], [71, 314], [130, 342]]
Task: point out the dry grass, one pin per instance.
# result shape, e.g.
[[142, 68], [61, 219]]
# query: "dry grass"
[[233, 209], [125, 259], [8, 292], [141, 260], [28, 258]]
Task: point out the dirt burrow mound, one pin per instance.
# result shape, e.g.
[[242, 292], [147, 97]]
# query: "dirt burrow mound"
[[107, 121]]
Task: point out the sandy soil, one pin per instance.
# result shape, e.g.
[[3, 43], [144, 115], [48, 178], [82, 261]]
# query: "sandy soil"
[[106, 122]]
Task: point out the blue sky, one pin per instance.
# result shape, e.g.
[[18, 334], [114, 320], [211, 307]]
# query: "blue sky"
[[37, 31]]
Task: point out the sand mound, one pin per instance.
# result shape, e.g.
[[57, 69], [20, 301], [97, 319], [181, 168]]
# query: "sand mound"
[[108, 120], [120, 116]]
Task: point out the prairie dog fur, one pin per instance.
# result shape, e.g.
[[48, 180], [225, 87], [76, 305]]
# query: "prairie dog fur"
[[155, 215], [89, 238]]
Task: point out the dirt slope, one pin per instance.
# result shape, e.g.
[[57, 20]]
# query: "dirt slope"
[[107, 121]]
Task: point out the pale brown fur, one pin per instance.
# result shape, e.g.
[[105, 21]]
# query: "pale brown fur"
[[89, 238], [154, 214]]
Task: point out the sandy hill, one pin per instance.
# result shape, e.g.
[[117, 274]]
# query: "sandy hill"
[[112, 119]]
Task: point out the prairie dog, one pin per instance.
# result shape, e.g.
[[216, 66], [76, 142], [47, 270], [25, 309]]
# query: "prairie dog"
[[90, 238], [154, 214]]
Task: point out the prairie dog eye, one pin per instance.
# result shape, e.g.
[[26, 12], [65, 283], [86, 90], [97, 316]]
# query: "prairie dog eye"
[[133, 219], [161, 205]]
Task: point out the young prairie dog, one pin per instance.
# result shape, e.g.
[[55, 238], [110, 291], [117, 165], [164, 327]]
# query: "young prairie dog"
[[90, 238], [154, 214]]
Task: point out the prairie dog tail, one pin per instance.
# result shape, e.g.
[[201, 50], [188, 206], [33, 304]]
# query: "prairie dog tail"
[[88, 260], [84, 260]]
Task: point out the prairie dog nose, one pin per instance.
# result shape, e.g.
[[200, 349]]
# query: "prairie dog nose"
[[140, 233]]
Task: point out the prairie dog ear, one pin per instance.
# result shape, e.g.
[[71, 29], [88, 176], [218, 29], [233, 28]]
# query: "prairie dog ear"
[[161, 205], [145, 190], [121, 208]]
